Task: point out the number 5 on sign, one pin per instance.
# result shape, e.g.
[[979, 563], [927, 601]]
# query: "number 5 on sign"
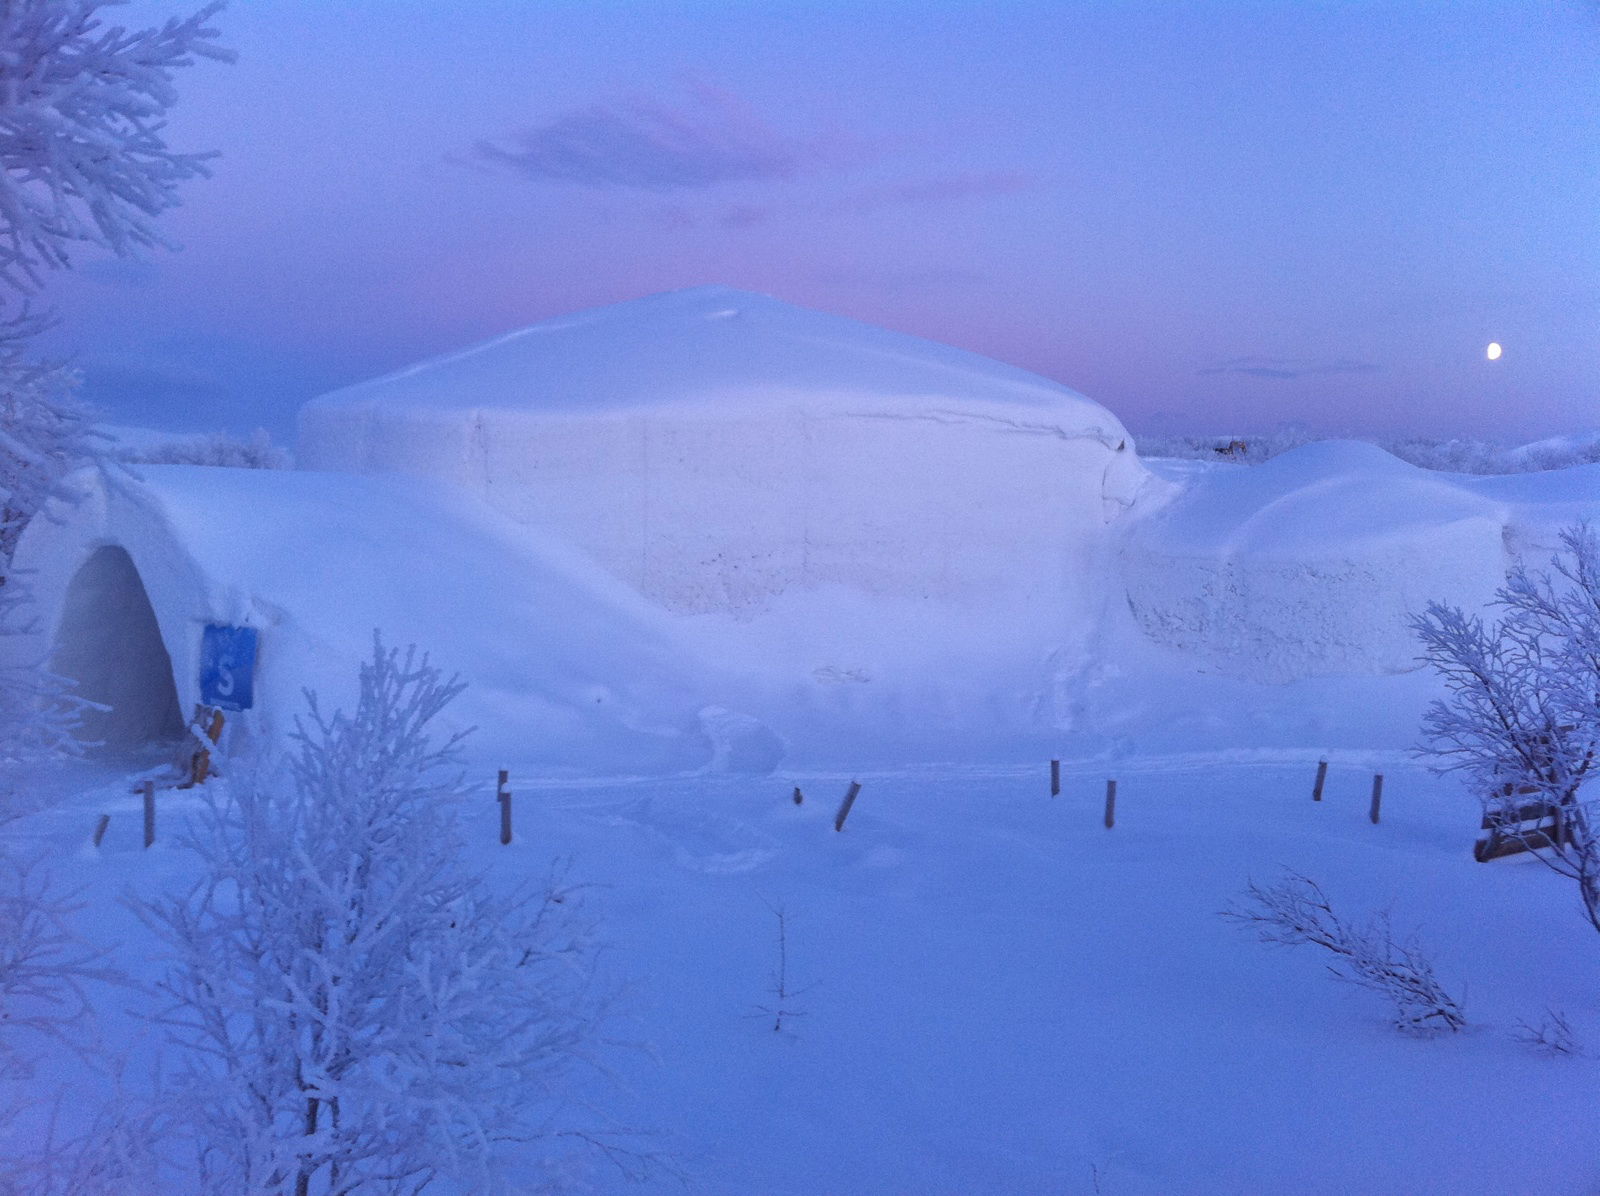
[[228, 667]]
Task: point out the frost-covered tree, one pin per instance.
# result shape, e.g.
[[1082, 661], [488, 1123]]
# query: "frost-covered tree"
[[1522, 719], [83, 162], [359, 1010]]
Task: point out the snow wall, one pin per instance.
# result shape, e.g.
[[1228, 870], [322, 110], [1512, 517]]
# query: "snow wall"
[[565, 668]]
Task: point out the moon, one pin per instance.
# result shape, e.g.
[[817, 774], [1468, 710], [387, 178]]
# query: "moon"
[[1493, 352]]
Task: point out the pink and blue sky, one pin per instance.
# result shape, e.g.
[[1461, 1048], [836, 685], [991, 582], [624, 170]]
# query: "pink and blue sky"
[[1213, 217]]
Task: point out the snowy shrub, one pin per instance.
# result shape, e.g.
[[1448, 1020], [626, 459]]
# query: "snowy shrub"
[[39, 713], [1244, 450], [359, 1011], [1553, 1035], [44, 965], [256, 452], [1522, 717], [1448, 456], [1296, 912]]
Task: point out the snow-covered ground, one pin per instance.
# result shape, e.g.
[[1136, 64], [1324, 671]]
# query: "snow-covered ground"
[[802, 552], [994, 993]]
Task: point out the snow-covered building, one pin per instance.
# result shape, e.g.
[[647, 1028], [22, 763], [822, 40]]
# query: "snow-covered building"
[[1315, 562], [714, 449], [693, 528]]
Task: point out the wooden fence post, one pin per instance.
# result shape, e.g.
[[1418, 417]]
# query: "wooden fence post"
[[1322, 775], [844, 810], [1055, 778], [503, 796], [100, 828], [149, 813], [1377, 797], [1111, 804]]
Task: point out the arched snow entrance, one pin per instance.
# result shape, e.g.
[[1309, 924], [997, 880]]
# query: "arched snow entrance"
[[109, 643]]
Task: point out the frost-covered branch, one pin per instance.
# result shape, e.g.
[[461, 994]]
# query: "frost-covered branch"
[[1296, 912], [1553, 1035], [83, 151]]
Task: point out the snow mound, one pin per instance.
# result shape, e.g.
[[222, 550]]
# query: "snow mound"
[[1312, 563], [563, 665], [716, 449]]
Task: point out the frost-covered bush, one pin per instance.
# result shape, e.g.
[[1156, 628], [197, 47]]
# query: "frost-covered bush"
[[1552, 1035], [1296, 912], [1521, 721], [256, 452], [1242, 449], [39, 713], [358, 1010], [1447, 456]]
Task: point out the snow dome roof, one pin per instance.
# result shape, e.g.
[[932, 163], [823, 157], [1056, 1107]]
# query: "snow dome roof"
[[714, 345]]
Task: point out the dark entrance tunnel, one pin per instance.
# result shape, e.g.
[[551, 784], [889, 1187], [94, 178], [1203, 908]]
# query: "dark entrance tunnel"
[[109, 643]]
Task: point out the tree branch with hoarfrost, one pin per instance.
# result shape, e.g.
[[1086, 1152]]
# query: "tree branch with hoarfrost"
[[83, 161], [46, 434], [1522, 719], [1296, 912], [358, 1009], [83, 151]]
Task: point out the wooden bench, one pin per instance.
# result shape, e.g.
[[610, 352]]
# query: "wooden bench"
[[1531, 826]]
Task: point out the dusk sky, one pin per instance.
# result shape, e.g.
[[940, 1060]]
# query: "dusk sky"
[[1210, 217]]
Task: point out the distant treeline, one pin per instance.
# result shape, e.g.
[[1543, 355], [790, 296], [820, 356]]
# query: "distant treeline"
[[1451, 456]]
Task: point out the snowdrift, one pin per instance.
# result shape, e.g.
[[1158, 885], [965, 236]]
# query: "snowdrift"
[[562, 664]]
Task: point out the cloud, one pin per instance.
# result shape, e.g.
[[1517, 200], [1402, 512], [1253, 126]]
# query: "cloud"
[[709, 139], [942, 189], [1290, 367]]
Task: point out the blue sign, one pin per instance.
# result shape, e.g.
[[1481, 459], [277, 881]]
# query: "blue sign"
[[228, 667]]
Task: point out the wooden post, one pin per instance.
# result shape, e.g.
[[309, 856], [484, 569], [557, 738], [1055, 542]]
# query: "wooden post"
[[1111, 804], [100, 828], [208, 728], [149, 813], [1377, 796], [844, 810], [1055, 778], [503, 796], [1322, 775], [798, 796]]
